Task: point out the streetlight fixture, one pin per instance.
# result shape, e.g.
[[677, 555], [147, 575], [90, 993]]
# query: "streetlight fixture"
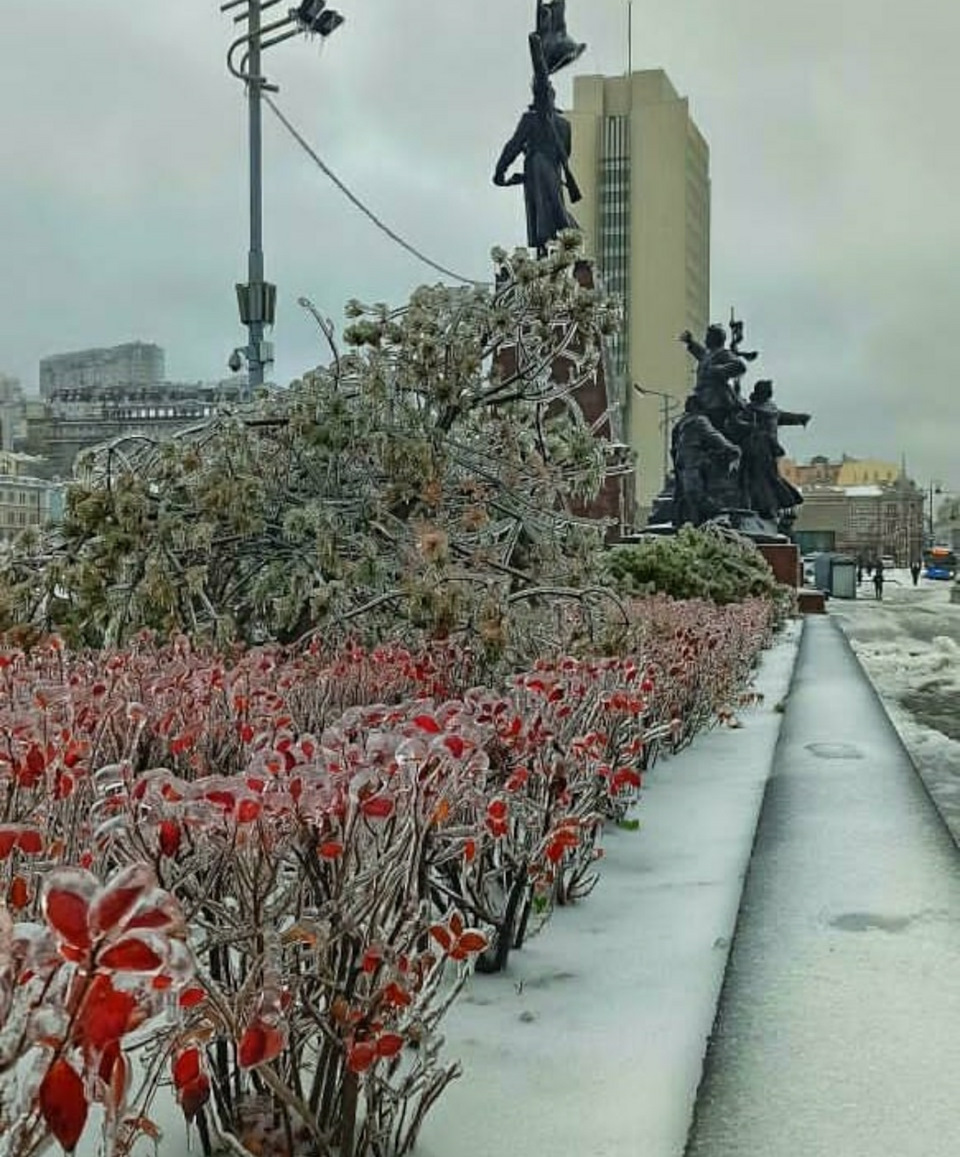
[[257, 298], [669, 404]]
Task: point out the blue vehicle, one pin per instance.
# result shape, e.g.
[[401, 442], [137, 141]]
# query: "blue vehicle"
[[940, 562]]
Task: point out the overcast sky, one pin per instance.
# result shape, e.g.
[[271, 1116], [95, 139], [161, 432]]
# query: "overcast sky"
[[835, 166]]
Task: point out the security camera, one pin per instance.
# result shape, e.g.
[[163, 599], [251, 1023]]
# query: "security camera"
[[235, 362]]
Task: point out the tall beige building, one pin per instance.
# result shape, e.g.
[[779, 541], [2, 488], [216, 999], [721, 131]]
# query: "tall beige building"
[[643, 168]]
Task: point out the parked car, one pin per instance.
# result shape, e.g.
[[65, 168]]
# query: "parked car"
[[889, 562]]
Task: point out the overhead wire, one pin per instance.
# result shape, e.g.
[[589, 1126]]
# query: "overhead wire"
[[355, 200]]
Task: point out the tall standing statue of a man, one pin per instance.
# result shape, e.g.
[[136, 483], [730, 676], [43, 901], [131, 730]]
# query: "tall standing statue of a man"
[[543, 135]]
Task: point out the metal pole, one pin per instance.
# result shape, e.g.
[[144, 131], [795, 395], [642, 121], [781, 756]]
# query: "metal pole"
[[255, 258]]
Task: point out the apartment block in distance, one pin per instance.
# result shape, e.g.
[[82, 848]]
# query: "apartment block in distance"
[[135, 365], [643, 168]]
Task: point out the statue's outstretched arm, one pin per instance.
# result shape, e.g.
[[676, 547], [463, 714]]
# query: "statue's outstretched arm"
[[792, 418], [694, 348]]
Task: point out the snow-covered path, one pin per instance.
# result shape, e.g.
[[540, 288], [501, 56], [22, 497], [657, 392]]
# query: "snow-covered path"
[[837, 1031], [592, 1044]]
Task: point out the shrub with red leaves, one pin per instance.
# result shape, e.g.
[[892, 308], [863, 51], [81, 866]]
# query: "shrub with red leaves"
[[343, 836], [78, 991]]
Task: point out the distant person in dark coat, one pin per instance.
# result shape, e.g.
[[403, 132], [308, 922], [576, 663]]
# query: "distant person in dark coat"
[[878, 580], [915, 572]]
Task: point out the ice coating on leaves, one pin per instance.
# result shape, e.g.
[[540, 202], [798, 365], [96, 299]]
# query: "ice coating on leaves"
[[561, 748], [67, 893], [112, 779], [115, 902], [63, 1103]]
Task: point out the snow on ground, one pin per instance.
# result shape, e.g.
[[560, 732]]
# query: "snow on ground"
[[592, 1043], [909, 645]]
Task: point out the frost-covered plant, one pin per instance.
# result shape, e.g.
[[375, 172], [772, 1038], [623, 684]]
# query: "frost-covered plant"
[[415, 484], [344, 834], [83, 990], [696, 563]]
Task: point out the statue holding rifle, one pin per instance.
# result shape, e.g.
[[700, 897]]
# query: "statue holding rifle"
[[543, 135]]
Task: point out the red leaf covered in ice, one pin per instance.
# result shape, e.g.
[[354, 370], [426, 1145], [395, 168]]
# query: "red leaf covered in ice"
[[186, 1067], [396, 995], [442, 936], [389, 1044], [248, 811], [30, 841], [105, 1015], [118, 898], [377, 807], [33, 767], [194, 1096], [8, 839], [360, 1056], [427, 723], [455, 745], [497, 809], [19, 896], [131, 954], [63, 1103], [169, 837], [192, 996], [259, 1044], [471, 940], [158, 912], [66, 904], [330, 849]]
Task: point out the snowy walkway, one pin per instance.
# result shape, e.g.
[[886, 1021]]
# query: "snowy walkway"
[[839, 1027], [592, 1044]]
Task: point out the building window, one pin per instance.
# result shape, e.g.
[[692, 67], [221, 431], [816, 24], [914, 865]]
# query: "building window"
[[613, 231]]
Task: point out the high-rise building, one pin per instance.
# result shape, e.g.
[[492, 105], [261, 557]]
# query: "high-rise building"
[[643, 168], [136, 365]]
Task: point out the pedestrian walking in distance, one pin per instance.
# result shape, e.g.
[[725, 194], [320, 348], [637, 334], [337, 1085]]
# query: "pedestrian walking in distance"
[[915, 572], [878, 579]]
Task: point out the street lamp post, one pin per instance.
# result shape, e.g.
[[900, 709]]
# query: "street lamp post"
[[669, 404], [257, 298], [931, 530]]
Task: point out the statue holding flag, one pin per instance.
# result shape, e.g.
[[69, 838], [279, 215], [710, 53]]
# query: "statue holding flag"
[[543, 134]]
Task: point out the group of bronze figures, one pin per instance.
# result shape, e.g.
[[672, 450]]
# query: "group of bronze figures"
[[725, 448]]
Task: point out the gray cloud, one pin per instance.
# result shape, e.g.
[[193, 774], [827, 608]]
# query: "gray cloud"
[[834, 164]]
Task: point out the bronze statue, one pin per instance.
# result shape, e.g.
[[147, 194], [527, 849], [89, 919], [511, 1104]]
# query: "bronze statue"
[[543, 135], [709, 480], [717, 368], [767, 492], [559, 48], [705, 467]]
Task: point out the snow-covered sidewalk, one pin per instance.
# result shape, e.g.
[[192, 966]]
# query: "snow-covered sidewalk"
[[837, 1032], [593, 1042]]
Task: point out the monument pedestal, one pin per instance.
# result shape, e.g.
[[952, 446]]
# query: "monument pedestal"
[[784, 560]]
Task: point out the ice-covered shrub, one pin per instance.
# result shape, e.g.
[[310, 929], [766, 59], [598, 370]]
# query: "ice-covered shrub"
[[695, 563], [413, 485]]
